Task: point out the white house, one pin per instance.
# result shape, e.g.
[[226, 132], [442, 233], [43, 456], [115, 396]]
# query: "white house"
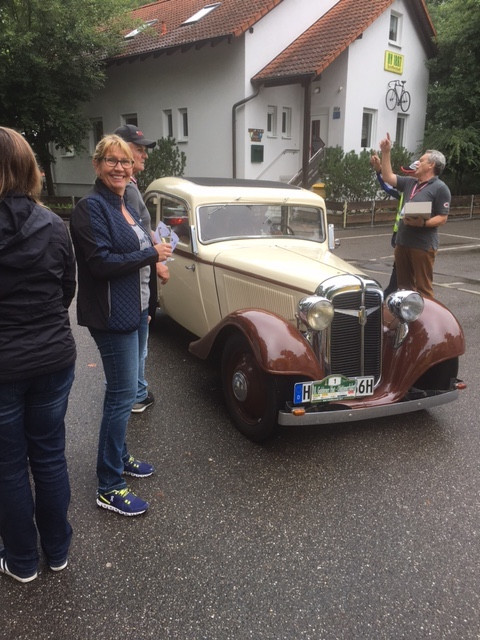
[[252, 88]]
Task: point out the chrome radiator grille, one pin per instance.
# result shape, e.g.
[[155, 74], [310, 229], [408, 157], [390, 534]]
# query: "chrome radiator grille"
[[353, 343]]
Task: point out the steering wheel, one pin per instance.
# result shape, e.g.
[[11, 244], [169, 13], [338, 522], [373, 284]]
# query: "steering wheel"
[[276, 229]]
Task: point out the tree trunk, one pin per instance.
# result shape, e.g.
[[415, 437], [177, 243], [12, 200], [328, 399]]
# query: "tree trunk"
[[49, 179]]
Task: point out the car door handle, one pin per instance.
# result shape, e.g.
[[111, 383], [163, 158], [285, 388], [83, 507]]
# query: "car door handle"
[[191, 267]]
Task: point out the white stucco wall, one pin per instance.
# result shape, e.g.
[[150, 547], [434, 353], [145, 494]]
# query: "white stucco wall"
[[174, 82], [367, 82]]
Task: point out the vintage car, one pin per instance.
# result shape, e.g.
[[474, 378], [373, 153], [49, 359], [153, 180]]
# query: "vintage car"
[[302, 338]]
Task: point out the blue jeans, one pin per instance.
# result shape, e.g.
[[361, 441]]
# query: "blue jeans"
[[142, 356], [119, 353], [32, 431]]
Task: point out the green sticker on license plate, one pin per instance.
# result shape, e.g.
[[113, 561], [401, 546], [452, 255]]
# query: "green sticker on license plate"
[[334, 387]]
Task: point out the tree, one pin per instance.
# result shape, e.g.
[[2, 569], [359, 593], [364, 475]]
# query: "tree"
[[52, 55], [453, 121], [165, 160]]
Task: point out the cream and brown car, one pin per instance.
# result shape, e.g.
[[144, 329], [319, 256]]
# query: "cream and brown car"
[[301, 337]]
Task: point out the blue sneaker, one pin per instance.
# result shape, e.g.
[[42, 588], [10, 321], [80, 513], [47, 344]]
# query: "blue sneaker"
[[137, 469], [4, 569], [122, 501]]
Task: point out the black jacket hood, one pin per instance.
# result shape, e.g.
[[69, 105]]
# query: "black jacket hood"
[[19, 221]]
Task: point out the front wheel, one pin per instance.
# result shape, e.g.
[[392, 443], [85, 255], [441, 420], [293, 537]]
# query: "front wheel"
[[251, 395], [439, 377], [405, 101]]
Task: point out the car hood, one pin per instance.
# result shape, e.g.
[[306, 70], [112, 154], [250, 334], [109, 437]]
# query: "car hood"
[[298, 264]]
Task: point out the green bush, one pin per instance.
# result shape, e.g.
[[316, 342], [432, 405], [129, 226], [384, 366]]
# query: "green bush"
[[165, 160], [349, 176]]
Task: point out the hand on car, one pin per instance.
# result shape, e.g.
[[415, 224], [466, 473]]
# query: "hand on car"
[[162, 272]]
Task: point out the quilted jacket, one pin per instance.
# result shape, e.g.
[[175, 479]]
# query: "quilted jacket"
[[109, 259]]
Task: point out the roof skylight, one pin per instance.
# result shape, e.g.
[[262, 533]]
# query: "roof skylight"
[[139, 29], [202, 13]]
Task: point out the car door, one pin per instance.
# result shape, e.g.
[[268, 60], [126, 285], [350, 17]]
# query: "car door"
[[182, 298]]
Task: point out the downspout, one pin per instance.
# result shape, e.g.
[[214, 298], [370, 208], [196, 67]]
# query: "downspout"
[[307, 114], [234, 129]]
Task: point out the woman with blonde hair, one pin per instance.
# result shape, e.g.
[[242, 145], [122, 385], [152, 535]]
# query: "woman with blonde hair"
[[37, 359], [115, 256]]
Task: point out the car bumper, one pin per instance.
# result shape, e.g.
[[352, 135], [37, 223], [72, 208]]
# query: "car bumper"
[[287, 418]]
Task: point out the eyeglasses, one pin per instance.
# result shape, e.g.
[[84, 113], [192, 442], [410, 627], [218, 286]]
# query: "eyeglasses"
[[112, 162]]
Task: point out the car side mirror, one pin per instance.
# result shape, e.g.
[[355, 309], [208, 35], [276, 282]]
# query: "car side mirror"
[[332, 243]]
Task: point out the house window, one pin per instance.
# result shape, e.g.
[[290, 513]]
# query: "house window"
[[183, 125], [395, 31], [202, 13], [368, 125], [168, 123], [400, 130], [272, 121], [96, 133], [130, 118], [286, 122]]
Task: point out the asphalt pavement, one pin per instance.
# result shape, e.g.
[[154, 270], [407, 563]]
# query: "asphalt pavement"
[[369, 530]]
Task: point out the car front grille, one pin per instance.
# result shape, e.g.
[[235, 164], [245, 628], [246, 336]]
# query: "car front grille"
[[352, 345]]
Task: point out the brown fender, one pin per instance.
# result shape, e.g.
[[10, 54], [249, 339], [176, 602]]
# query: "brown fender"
[[435, 337], [278, 347]]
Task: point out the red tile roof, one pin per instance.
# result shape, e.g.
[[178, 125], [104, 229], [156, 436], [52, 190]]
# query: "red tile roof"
[[327, 38], [230, 19]]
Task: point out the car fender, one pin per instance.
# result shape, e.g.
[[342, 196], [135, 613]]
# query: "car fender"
[[436, 336], [278, 347]]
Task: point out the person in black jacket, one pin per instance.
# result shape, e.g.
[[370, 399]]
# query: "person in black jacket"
[[115, 256], [37, 359]]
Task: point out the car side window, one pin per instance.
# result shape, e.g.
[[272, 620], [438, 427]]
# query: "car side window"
[[174, 214], [171, 212]]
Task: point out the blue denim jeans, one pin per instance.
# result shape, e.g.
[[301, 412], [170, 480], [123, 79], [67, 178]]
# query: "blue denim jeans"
[[119, 353], [142, 389], [32, 431]]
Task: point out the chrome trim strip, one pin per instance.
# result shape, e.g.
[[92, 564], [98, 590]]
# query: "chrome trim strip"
[[353, 415]]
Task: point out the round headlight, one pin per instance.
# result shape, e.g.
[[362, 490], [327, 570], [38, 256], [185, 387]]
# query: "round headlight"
[[316, 313], [406, 305]]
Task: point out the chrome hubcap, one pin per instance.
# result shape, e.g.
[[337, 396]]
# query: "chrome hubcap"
[[239, 386]]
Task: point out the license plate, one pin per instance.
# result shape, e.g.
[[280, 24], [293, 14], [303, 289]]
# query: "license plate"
[[333, 388]]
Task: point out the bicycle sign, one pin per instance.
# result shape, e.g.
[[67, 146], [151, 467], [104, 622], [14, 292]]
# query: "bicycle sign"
[[397, 96]]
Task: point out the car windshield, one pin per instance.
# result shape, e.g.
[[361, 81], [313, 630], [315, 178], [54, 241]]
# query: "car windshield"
[[227, 221]]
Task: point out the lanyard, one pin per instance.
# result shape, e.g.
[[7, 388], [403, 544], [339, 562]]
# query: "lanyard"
[[416, 190]]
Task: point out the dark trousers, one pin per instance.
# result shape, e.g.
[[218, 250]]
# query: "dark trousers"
[[415, 269], [32, 435]]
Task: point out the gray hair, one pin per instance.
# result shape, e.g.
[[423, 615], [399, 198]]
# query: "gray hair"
[[438, 159]]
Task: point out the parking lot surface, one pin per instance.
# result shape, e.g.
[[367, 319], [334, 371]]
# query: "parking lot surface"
[[369, 530]]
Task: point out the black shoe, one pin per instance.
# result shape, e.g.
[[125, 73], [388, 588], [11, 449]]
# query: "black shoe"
[[139, 407]]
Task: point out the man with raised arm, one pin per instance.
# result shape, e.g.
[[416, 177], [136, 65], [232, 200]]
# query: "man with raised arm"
[[417, 237]]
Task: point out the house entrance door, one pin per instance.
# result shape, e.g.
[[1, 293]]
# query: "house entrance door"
[[318, 133]]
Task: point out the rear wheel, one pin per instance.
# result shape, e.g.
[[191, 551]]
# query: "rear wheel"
[[251, 395], [391, 99]]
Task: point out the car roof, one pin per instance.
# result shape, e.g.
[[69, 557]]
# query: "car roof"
[[233, 189], [240, 182]]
